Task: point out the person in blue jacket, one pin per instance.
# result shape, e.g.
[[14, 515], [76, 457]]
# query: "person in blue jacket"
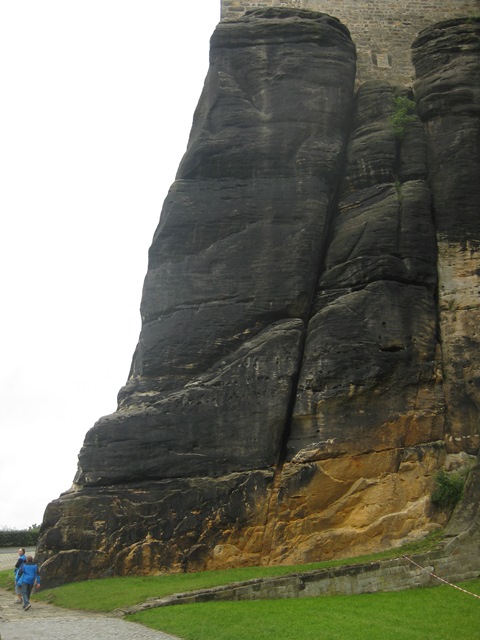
[[18, 565], [28, 576]]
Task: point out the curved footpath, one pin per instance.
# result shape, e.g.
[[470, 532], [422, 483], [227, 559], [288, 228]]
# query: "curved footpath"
[[47, 622]]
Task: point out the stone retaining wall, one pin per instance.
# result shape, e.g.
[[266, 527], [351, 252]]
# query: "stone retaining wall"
[[458, 561], [382, 30]]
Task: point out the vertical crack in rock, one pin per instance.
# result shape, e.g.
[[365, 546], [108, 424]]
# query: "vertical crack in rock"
[[268, 552], [368, 386], [374, 314]]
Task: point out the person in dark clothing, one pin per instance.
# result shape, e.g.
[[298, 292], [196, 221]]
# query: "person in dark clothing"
[[18, 565], [28, 576]]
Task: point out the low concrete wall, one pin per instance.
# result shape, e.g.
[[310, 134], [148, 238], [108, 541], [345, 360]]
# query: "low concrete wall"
[[458, 560]]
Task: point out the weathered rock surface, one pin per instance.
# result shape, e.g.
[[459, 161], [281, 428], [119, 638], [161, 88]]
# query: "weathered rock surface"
[[447, 58], [287, 400], [373, 327], [234, 262], [367, 422]]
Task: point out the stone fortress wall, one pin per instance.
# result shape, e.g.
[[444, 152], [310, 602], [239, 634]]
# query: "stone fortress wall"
[[382, 30]]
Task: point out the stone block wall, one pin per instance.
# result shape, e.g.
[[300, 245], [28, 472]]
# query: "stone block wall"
[[453, 565], [382, 30]]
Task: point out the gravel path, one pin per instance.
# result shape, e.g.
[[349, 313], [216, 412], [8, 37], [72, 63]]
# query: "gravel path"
[[9, 556], [46, 622]]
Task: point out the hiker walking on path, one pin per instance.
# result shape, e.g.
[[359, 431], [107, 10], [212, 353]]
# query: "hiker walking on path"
[[28, 576], [18, 565]]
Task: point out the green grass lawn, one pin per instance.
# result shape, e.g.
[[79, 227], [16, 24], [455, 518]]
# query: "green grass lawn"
[[439, 613]]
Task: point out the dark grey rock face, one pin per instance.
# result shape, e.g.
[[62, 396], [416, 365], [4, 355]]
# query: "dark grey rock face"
[[311, 291], [234, 261], [373, 327], [447, 59], [231, 418], [232, 273]]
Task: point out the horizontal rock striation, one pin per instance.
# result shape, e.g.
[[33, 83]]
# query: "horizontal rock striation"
[[287, 400]]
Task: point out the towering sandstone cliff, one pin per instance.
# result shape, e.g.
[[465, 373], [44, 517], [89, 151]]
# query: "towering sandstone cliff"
[[308, 356]]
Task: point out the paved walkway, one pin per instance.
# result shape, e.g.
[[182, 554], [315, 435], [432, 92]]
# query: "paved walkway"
[[46, 622]]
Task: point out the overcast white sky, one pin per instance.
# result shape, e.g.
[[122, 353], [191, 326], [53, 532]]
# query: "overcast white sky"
[[97, 100]]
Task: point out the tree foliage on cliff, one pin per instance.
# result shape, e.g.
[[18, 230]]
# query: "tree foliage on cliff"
[[448, 489], [403, 115]]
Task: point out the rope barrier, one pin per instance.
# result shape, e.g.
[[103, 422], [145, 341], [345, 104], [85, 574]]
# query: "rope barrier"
[[475, 595]]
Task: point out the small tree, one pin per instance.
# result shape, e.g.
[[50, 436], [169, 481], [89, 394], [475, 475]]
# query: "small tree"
[[402, 116], [448, 489]]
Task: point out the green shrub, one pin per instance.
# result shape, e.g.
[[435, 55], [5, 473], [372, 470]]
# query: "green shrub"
[[402, 116], [448, 489], [19, 537]]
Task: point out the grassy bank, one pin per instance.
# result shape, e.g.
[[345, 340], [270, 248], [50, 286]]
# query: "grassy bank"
[[419, 614]]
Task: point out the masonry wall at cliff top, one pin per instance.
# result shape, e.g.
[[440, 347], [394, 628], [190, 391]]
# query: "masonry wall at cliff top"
[[381, 29]]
